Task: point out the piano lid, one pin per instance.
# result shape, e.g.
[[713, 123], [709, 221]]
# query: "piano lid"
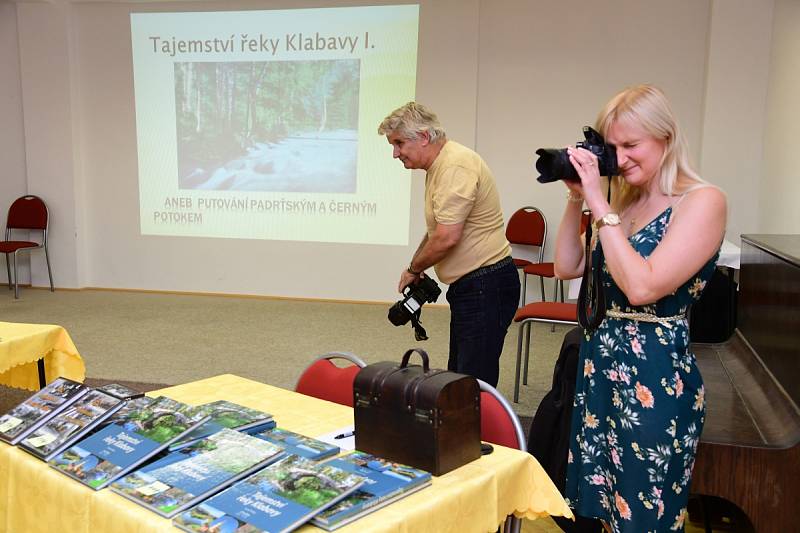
[[786, 247]]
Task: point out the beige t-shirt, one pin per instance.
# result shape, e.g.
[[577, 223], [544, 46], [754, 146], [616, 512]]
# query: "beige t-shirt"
[[459, 187]]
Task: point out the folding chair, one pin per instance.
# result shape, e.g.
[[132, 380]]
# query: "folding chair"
[[500, 425], [26, 213], [324, 380], [543, 312]]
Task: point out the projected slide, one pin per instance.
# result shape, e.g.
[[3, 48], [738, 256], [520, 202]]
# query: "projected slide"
[[263, 124]]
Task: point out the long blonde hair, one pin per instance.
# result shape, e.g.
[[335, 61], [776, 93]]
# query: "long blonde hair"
[[646, 106]]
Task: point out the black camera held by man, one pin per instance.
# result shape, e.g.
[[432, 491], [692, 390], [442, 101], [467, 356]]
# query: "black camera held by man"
[[553, 164], [426, 290]]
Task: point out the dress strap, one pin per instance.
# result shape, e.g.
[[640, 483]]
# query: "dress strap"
[[680, 199]]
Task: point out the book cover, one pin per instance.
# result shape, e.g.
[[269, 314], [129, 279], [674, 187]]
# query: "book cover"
[[30, 414], [276, 499], [71, 424], [120, 391], [191, 474], [297, 444], [385, 482], [225, 414], [120, 447]]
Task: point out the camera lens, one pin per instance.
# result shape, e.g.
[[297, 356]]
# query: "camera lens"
[[553, 165]]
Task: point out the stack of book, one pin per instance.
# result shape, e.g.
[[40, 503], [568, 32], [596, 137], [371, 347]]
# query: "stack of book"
[[70, 425], [225, 414], [297, 444], [184, 477], [279, 498], [131, 440], [36, 410], [385, 482]]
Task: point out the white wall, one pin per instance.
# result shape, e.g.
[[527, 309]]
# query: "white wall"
[[735, 106], [780, 184], [13, 174], [548, 67], [506, 76]]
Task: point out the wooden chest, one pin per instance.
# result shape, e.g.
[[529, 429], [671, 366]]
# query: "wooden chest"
[[428, 419]]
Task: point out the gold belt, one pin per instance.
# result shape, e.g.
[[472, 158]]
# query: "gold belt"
[[645, 317]]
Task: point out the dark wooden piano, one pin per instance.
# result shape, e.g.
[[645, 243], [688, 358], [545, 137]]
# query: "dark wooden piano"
[[749, 452]]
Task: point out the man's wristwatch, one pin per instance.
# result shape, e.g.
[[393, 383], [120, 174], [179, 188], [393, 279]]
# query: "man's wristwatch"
[[411, 270], [609, 219]]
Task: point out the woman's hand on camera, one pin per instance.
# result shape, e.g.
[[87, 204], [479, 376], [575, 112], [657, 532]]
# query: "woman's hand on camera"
[[585, 164]]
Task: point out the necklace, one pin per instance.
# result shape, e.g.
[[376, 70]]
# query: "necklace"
[[635, 214]]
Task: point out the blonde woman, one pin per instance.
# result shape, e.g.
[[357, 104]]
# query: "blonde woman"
[[639, 398]]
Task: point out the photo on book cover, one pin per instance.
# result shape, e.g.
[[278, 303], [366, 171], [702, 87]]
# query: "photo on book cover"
[[37, 409], [71, 424], [225, 414], [385, 482], [278, 498], [118, 448], [184, 477], [298, 444]]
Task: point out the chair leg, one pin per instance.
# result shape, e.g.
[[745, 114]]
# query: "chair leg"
[[519, 361], [16, 278], [8, 268], [527, 352], [50, 272], [541, 285], [524, 288], [555, 298]]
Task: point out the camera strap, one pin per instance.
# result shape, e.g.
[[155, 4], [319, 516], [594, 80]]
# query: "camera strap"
[[591, 297], [419, 332]]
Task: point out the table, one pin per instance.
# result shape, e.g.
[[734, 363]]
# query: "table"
[[31, 352], [476, 497]]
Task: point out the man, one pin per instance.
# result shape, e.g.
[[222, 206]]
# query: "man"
[[465, 240]]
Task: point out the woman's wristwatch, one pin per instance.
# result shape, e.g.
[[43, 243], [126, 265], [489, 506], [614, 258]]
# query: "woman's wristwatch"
[[609, 219]]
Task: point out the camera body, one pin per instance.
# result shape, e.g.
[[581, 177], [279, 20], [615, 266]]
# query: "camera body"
[[426, 290], [554, 164]]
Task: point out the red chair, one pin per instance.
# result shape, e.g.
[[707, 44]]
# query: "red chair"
[[528, 227], [501, 425], [27, 213], [547, 270], [543, 312], [324, 380]]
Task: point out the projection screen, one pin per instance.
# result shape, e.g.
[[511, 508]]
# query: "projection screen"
[[263, 124]]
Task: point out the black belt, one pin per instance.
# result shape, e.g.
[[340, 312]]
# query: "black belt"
[[482, 271]]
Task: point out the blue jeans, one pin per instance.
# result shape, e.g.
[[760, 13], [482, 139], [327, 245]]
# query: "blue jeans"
[[482, 306]]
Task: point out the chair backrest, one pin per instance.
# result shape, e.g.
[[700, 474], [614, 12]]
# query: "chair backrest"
[[499, 423], [324, 380], [27, 212], [527, 226]]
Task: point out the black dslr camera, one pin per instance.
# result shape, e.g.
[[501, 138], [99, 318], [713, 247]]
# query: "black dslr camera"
[[410, 307], [553, 164]]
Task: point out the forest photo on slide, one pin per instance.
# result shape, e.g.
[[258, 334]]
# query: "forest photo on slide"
[[274, 126]]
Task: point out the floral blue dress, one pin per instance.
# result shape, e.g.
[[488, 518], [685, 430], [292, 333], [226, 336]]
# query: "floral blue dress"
[[639, 408]]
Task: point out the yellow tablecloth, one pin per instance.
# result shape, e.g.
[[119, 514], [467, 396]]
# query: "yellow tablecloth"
[[475, 497], [21, 345]]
